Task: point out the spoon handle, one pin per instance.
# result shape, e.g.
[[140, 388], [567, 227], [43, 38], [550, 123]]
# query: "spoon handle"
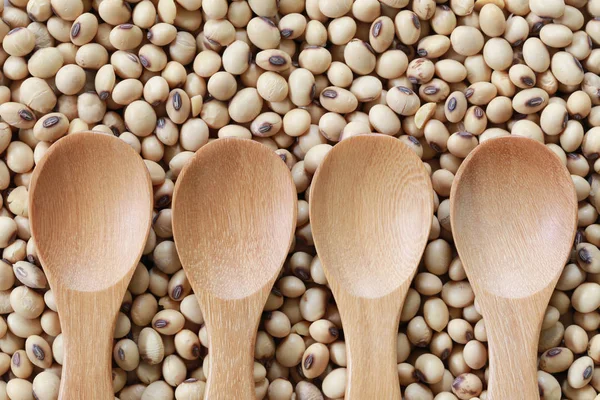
[[232, 326], [87, 321], [371, 332], [513, 329]]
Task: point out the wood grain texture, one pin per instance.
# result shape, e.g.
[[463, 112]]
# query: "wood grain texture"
[[90, 212], [514, 217], [234, 217], [371, 208]]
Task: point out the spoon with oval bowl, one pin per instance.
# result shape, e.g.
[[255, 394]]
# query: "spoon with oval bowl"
[[514, 217], [371, 207], [234, 217], [90, 213]]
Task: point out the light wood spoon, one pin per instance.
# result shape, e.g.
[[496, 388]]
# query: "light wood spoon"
[[513, 211], [371, 207], [234, 217], [90, 212]]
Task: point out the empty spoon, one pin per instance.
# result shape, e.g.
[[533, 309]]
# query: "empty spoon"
[[90, 212], [371, 207], [514, 216], [234, 216]]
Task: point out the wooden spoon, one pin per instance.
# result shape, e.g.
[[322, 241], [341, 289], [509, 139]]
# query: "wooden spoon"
[[371, 207], [90, 212], [514, 216], [234, 217]]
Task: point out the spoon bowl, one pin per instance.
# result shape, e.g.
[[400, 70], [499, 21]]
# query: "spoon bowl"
[[371, 208], [514, 217], [90, 212], [234, 216]]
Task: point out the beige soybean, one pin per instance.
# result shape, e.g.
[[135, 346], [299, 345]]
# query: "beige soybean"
[[46, 386], [433, 46], [126, 354], [38, 351], [420, 70], [556, 360], [338, 100], [580, 372], [26, 302], [45, 63], [245, 105], [127, 91], [302, 88], [492, 20], [292, 26], [536, 55], [336, 8], [315, 33], [522, 76], [84, 29], [408, 27], [360, 57], [271, 86], [467, 40], [70, 79], [556, 35], [189, 389], [37, 95], [126, 64], [516, 30], [579, 105], [178, 106], [29, 274], [550, 8], [567, 69], [334, 384], [140, 118], [554, 119], [481, 93], [317, 59], [152, 57], [383, 119], [144, 14], [466, 385], [235, 58], [20, 365], [263, 33], [18, 42], [429, 368], [104, 81], [341, 30], [17, 115], [161, 34], [580, 46], [168, 322], [19, 389], [315, 360], [530, 101], [273, 60], [391, 64], [499, 110], [498, 54], [450, 71], [39, 10], [403, 100], [436, 314], [91, 56], [15, 68]]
